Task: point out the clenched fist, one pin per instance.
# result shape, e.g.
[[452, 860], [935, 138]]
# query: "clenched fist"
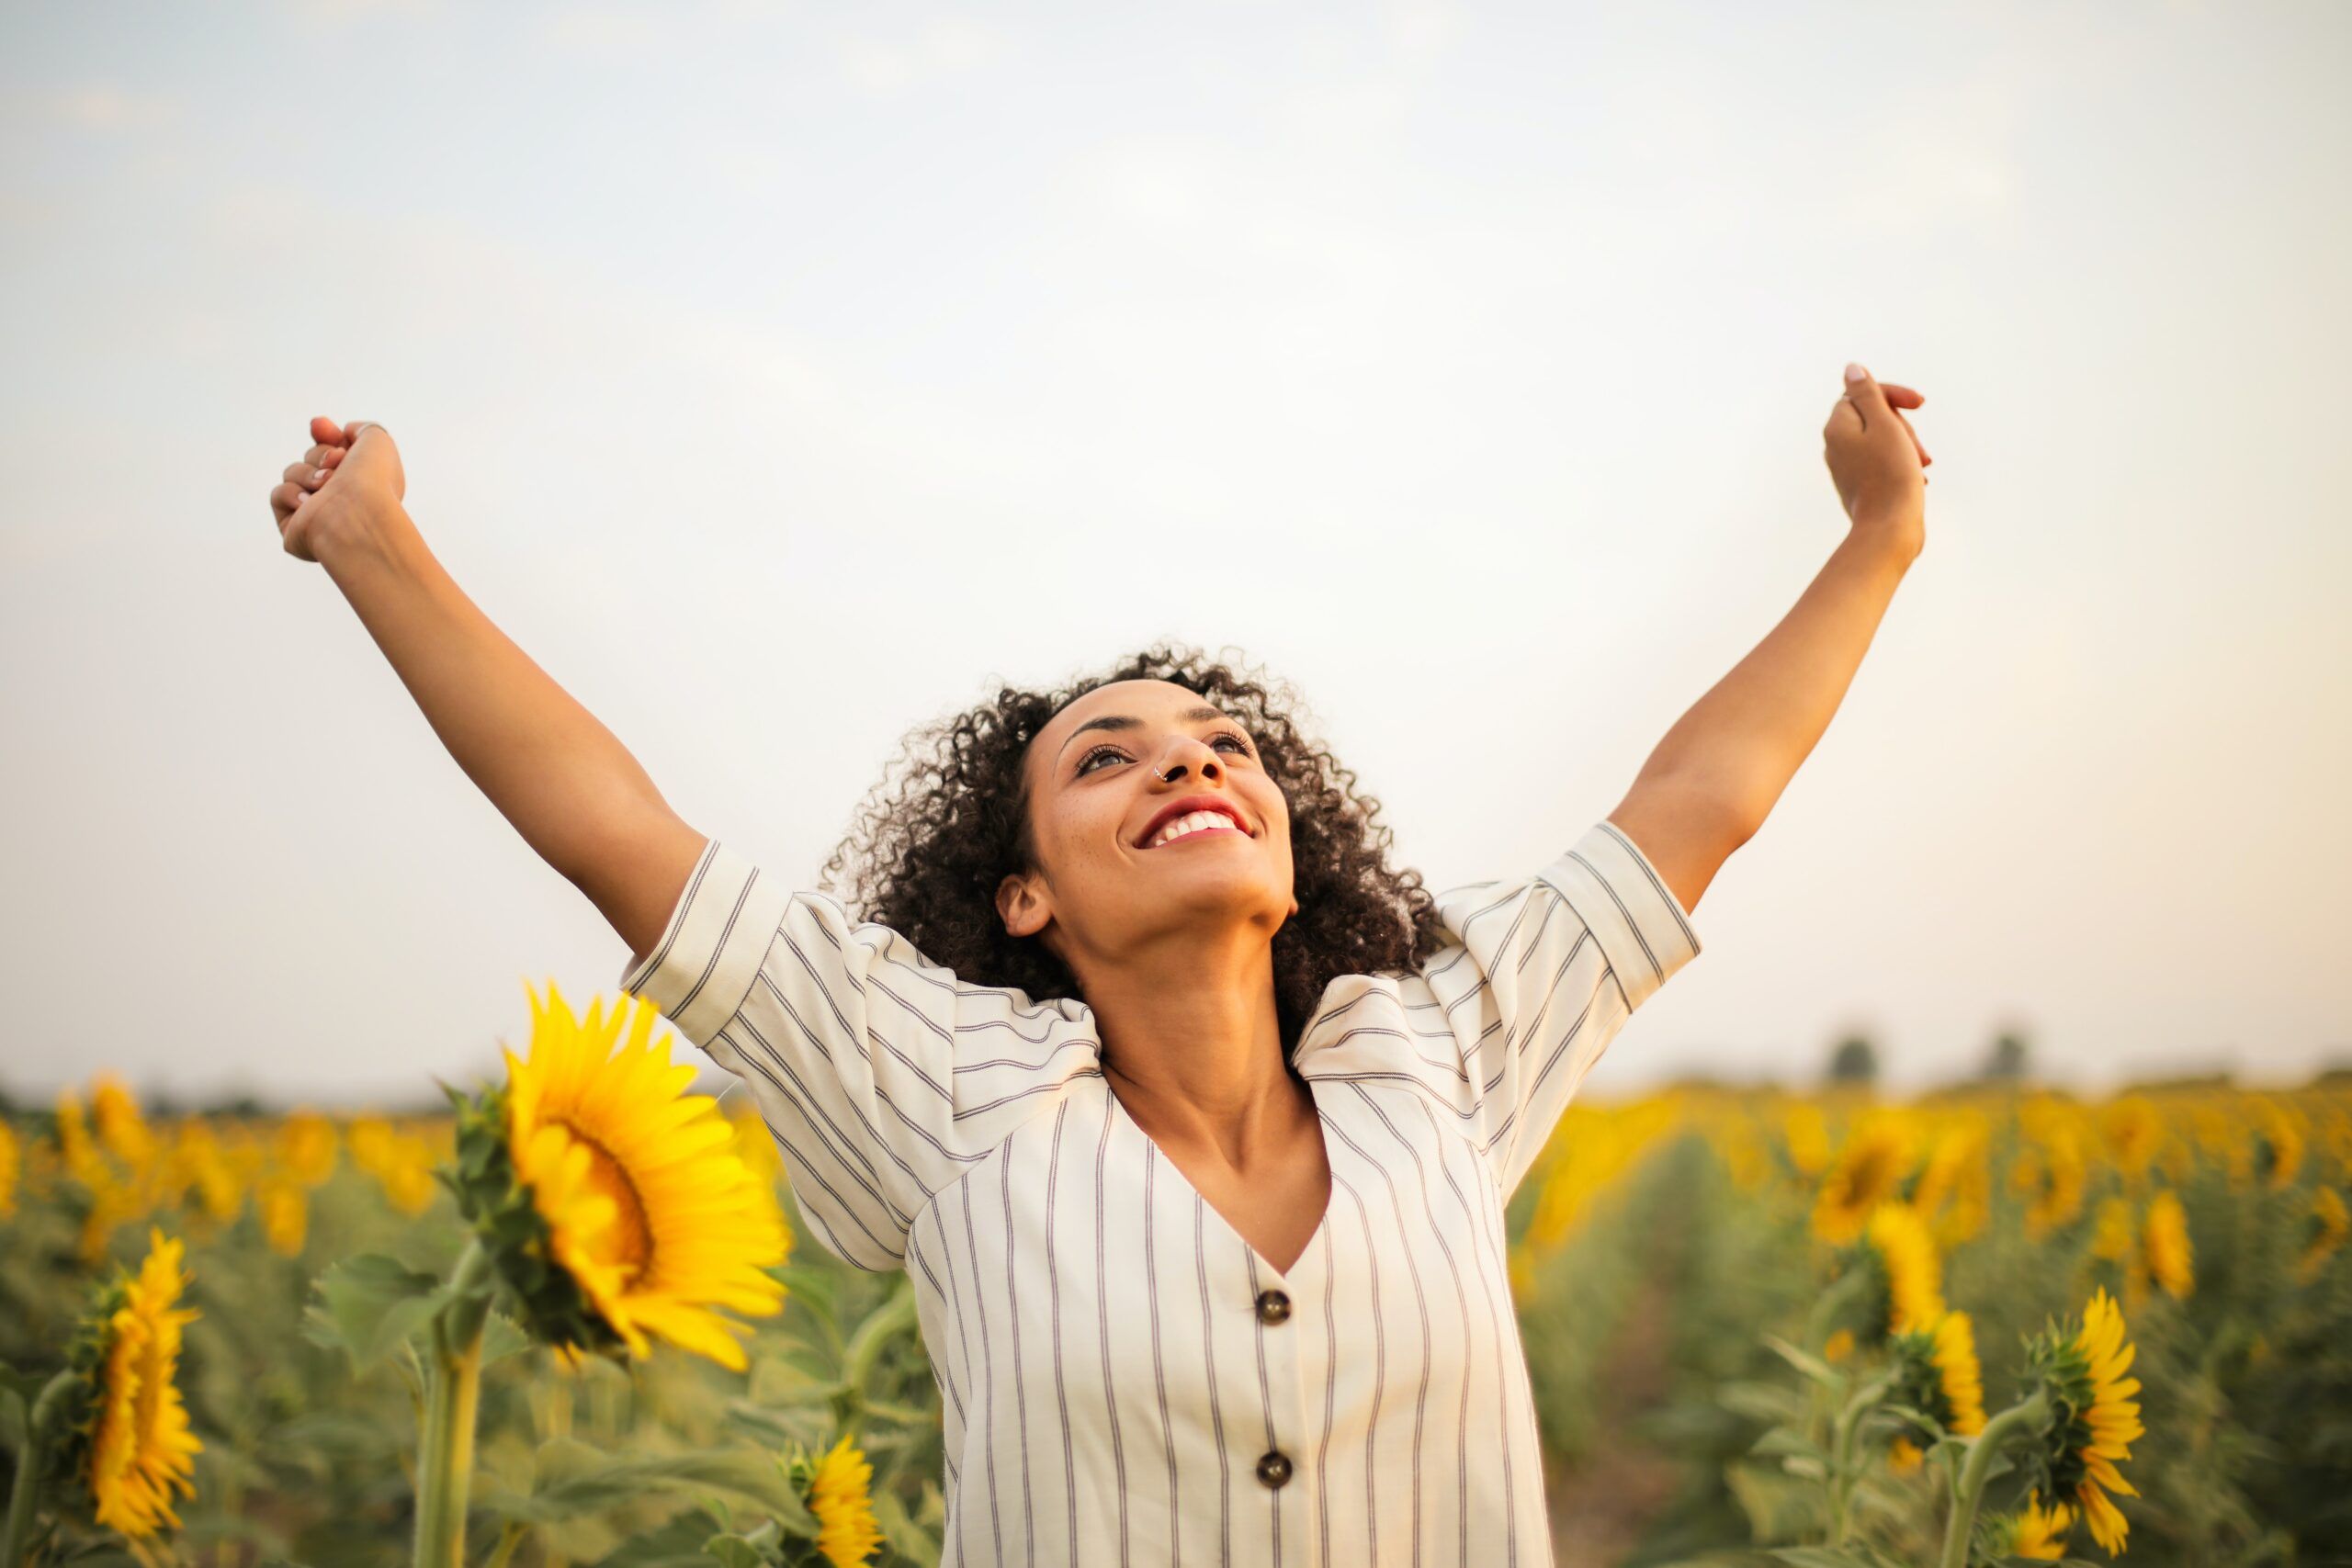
[[1875, 458], [349, 485]]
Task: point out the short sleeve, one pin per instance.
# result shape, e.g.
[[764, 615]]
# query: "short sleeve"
[[882, 1076], [1548, 969]]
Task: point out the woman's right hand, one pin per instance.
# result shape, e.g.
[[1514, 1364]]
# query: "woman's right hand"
[[350, 482]]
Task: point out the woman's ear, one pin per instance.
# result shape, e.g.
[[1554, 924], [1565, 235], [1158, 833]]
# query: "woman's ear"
[[1023, 911]]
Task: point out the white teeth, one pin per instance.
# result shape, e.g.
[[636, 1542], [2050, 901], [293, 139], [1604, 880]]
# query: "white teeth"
[[1194, 823]]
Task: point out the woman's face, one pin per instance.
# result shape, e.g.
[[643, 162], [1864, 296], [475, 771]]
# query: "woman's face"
[[1105, 891]]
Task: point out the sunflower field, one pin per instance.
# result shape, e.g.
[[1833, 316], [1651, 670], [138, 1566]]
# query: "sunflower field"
[[565, 1319]]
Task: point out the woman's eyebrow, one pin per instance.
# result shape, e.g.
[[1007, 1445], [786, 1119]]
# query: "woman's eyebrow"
[[1129, 721]]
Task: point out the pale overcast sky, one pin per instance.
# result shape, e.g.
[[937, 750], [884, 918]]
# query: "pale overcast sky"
[[780, 375]]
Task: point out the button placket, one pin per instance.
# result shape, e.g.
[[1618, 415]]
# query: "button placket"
[[1273, 1308]]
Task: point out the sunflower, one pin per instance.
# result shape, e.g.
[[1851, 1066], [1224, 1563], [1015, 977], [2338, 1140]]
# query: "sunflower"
[[1905, 1253], [840, 1495], [139, 1446], [2276, 1154], [2328, 1225], [121, 1127], [613, 1203], [10, 1162], [305, 1147], [1938, 1374], [2093, 1420], [2164, 1245], [285, 1206], [2134, 1130], [2034, 1532], [1868, 1169]]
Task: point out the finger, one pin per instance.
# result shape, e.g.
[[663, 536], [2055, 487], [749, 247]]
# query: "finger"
[[284, 499], [1924, 458], [351, 432], [308, 476], [1900, 396], [1845, 418], [327, 431], [1863, 392]]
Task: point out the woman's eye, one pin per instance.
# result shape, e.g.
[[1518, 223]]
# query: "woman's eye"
[[1086, 764]]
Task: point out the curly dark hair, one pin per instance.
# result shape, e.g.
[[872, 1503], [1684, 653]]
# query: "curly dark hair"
[[929, 850]]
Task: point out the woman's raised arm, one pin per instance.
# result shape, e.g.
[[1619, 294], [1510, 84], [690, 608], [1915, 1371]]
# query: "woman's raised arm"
[[566, 783]]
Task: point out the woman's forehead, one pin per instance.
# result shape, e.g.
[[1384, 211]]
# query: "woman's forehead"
[[1140, 698]]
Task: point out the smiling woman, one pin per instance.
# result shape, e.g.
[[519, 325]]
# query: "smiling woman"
[[1196, 1149]]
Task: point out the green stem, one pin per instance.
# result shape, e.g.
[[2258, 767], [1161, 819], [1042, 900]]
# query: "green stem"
[[31, 1459], [1970, 1491], [508, 1539], [1842, 1453], [446, 1460]]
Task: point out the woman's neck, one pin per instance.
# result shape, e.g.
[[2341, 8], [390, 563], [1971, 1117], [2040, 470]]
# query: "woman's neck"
[[1197, 1061]]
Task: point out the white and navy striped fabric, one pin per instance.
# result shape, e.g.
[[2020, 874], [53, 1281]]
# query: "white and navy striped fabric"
[[1125, 1378]]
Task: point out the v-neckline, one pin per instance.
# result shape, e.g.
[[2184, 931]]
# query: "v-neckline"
[[1329, 1201]]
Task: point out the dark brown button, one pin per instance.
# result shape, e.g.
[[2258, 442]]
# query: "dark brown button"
[[1273, 1306], [1273, 1467]]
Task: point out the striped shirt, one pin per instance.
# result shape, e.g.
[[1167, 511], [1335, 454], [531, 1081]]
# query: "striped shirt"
[[1123, 1377]]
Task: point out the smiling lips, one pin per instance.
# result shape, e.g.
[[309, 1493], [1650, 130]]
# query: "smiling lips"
[[1199, 824]]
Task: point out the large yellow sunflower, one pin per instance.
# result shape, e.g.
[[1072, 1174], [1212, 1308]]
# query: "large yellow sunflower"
[[141, 1447], [2094, 1417], [840, 1495], [647, 1205]]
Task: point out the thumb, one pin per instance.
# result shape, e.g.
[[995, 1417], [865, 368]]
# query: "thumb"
[[1869, 401]]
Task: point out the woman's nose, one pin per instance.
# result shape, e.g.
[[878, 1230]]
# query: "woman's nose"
[[1173, 761]]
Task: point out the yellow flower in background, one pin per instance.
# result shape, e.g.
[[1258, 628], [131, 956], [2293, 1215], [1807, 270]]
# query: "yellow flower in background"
[[1838, 1347], [2134, 1130], [2329, 1225], [1869, 1170], [2094, 1417], [2164, 1245], [2111, 1234], [838, 1494], [370, 1139], [1961, 1376], [1914, 1274], [284, 1207], [2052, 1177], [400, 1161], [141, 1447], [1937, 1373], [196, 1165], [11, 1163], [407, 1175], [1807, 1133], [2278, 1146], [76, 1152], [2035, 1533], [305, 1147], [121, 1127], [647, 1206]]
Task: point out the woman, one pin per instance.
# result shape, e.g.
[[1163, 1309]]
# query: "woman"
[[1191, 1120]]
